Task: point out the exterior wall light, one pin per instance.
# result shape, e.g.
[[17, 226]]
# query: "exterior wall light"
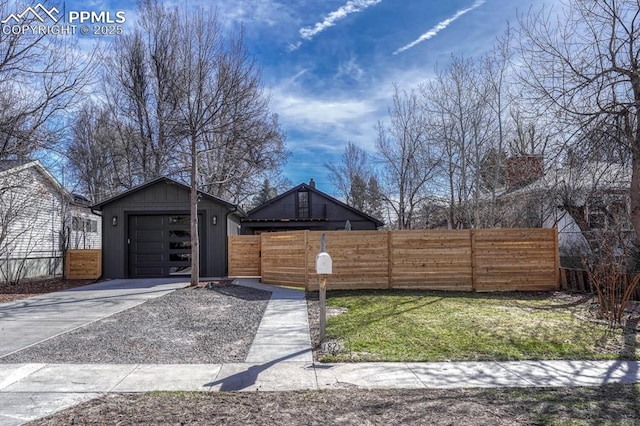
[[114, 221], [214, 220]]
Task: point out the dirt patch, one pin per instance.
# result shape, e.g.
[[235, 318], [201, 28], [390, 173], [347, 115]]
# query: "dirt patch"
[[608, 404], [30, 288]]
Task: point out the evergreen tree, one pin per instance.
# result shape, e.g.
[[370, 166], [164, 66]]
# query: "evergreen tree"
[[266, 193]]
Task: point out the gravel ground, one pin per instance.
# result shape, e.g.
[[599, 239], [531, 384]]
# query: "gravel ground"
[[187, 326], [313, 313]]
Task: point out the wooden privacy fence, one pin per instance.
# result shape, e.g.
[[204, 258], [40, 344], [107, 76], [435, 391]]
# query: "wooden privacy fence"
[[244, 255], [464, 260], [83, 264], [578, 280]]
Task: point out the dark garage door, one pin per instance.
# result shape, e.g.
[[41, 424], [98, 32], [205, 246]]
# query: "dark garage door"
[[160, 245]]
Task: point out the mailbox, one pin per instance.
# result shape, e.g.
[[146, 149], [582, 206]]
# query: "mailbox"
[[324, 264]]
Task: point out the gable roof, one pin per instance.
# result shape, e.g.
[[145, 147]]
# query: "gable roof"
[[10, 164], [589, 176], [306, 187], [16, 166], [169, 181]]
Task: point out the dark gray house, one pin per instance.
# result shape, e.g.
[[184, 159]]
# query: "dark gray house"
[[146, 231], [305, 207]]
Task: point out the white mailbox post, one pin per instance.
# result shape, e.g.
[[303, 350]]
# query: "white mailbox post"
[[324, 268]]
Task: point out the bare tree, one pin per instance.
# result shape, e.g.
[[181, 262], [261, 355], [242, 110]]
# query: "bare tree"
[[223, 115], [407, 160], [458, 103], [352, 177], [582, 66], [243, 142], [139, 78], [40, 78], [99, 154], [146, 95]]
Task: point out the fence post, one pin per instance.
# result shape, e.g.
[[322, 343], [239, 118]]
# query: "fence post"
[[472, 233], [307, 250], [389, 260], [261, 255], [557, 256]]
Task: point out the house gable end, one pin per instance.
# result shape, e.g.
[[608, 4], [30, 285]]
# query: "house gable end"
[[287, 207]]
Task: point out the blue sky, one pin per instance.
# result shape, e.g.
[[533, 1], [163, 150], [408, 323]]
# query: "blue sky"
[[330, 65]]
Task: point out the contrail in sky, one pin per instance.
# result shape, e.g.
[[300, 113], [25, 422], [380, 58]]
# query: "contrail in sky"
[[352, 6], [440, 26]]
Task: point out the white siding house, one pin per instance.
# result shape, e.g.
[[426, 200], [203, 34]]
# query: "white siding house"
[[37, 222], [594, 194]]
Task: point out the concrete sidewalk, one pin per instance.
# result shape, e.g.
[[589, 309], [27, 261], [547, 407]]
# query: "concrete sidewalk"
[[283, 334]]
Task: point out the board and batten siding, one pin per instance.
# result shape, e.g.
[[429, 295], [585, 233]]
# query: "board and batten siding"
[[163, 197]]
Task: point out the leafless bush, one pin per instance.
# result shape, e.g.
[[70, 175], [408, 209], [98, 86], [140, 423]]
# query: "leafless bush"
[[609, 273]]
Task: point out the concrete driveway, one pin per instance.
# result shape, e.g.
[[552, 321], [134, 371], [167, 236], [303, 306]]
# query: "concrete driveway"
[[29, 321]]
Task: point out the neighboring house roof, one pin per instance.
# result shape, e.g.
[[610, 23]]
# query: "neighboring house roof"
[[587, 177], [16, 166], [10, 164], [306, 187], [234, 207]]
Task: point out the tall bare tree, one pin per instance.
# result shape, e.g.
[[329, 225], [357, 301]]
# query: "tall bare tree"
[[457, 103], [99, 155], [243, 142], [41, 77], [139, 76], [146, 93], [351, 175], [407, 159], [582, 65], [222, 116]]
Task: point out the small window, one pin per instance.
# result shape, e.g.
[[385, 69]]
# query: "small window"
[[180, 257], [179, 220], [179, 245], [597, 220], [179, 270], [179, 234], [77, 224], [91, 225], [303, 204]]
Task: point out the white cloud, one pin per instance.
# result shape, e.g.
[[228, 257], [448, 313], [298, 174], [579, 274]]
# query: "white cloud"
[[350, 69], [266, 12], [321, 122], [440, 26], [352, 6]]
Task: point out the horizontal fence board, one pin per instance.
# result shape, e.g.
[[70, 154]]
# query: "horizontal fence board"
[[431, 260], [283, 258], [360, 259], [244, 255], [83, 264]]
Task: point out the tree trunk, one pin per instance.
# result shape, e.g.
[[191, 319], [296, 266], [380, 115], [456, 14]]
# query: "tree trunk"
[[195, 271], [635, 193]]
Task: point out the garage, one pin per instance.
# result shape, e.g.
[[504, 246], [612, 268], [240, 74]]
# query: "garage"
[[160, 245], [146, 232]]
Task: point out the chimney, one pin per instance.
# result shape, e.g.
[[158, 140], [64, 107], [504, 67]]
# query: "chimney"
[[312, 183], [523, 170]]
